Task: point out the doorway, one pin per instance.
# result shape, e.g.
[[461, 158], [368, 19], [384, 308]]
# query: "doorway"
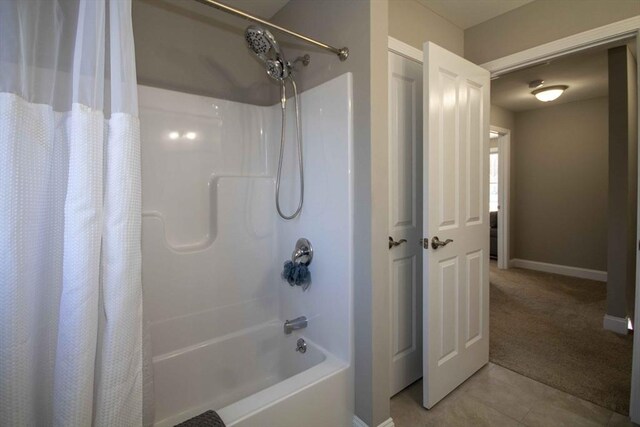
[[562, 231], [564, 46], [499, 194]]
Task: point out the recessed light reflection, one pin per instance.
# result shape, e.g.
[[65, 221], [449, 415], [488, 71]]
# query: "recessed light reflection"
[[186, 135]]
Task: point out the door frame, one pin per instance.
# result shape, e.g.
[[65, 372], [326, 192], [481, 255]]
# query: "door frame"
[[504, 192], [404, 49], [617, 31]]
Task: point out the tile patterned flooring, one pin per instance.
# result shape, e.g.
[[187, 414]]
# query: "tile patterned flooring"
[[498, 397]]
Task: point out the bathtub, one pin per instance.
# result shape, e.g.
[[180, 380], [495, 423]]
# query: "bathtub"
[[254, 377], [213, 250]]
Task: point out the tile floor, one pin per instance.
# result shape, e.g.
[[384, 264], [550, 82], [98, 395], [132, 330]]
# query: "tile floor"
[[498, 397]]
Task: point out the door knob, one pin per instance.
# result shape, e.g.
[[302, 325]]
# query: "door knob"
[[393, 243], [437, 243]]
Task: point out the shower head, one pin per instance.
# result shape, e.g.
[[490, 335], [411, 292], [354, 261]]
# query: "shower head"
[[262, 43], [276, 69]]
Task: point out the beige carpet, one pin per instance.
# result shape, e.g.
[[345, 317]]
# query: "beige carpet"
[[549, 327]]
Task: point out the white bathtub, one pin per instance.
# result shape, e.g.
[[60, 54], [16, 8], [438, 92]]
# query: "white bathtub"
[[254, 377]]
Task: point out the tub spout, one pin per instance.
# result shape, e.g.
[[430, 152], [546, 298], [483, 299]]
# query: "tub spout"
[[297, 323]]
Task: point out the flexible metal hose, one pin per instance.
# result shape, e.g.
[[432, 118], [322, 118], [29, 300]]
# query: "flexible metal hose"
[[283, 103]]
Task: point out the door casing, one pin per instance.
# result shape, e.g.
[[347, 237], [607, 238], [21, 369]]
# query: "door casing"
[[504, 193]]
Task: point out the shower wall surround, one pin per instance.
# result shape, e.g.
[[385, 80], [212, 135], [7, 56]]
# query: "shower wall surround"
[[214, 246]]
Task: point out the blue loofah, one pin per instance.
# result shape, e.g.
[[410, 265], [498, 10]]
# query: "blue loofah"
[[296, 274]]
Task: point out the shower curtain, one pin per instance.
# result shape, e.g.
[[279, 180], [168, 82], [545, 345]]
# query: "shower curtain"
[[70, 285]]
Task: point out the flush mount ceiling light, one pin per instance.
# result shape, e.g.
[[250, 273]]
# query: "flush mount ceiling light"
[[549, 93], [535, 84]]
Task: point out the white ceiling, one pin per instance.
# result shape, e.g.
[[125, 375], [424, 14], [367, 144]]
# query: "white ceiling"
[[467, 13], [586, 74], [261, 8]]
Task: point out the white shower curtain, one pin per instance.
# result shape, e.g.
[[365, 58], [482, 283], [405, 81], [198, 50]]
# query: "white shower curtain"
[[70, 286]]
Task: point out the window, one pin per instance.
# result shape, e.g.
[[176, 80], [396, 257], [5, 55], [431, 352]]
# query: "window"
[[493, 181]]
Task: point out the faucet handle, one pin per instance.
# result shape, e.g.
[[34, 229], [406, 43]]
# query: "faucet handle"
[[303, 252]]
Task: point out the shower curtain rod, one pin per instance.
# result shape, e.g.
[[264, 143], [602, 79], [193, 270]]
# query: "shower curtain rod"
[[342, 53]]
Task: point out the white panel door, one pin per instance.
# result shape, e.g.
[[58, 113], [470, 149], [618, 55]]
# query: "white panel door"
[[456, 214], [405, 219]]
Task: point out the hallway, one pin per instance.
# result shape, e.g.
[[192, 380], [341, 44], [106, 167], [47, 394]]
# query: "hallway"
[[551, 363], [548, 327]]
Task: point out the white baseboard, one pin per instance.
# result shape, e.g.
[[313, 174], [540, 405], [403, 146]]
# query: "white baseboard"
[[357, 422], [565, 270], [619, 325]]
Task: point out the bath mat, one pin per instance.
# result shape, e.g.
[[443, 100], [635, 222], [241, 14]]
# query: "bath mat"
[[206, 419]]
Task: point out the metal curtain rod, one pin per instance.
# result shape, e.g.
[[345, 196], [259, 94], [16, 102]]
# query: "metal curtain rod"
[[342, 53]]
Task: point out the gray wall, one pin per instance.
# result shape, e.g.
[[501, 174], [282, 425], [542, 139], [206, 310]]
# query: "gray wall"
[[540, 22], [189, 47], [506, 119], [560, 197], [623, 155], [362, 26], [632, 114], [414, 23]]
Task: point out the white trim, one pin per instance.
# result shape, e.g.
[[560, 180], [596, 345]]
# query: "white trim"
[[620, 30], [504, 199], [565, 270], [403, 49], [357, 422], [619, 325]]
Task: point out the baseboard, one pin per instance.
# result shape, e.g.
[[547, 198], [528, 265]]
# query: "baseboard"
[[619, 325], [357, 422], [565, 270]]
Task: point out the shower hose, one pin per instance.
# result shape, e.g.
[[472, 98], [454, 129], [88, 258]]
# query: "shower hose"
[[283, 103]]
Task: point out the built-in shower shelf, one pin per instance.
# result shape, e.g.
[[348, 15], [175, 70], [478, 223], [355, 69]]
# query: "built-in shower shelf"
[[240, 209]]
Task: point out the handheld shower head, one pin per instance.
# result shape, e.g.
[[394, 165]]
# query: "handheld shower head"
[[276, 69], [262, 43]]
